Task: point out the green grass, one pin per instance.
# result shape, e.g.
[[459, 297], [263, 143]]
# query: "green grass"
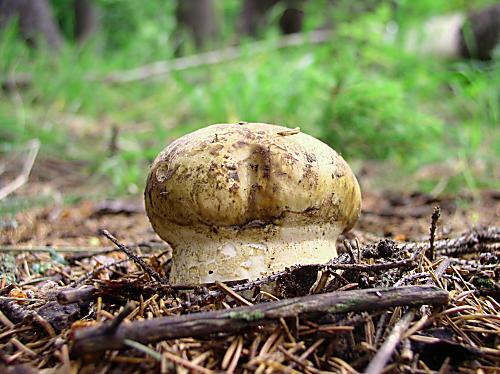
[[360, 94]]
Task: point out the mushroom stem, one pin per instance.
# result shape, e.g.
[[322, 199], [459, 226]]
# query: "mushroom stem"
[[206, 257]]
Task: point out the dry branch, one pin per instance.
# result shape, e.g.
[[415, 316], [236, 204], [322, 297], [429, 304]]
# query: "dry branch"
[[89, 251], [74, 295], [162, 68], [22, 178], [472, 241], [386, 350], [96, 339], [139, 261], [435, 216], [372, 267]]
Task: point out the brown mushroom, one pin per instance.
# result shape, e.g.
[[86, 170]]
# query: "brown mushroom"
[[239, 201]]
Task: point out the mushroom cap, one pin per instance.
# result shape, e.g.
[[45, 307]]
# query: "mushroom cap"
[[238, 184]]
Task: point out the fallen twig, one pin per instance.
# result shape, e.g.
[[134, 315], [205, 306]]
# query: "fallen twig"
[[162, 68], [74, 295], [98, 338], [372, 267], [91, 250], [22, 178], [96, 270], [472, 241], [385, 352], [116, 322], [139, 261], [432, 234]]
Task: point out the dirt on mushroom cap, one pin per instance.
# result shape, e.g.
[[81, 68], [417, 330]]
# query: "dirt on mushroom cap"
[[235, 175]]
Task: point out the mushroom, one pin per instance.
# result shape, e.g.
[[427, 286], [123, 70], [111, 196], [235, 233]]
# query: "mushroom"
[[240, 201]]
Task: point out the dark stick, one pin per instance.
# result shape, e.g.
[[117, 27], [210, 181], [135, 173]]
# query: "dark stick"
[[472, 241], [139, 261], [372, 267], [115, 323], [74, 295], [432, 234], [95, 339], [348, 248], [96, 270]]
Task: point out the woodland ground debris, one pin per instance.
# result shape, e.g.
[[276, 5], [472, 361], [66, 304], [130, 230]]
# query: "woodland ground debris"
[[43, 313]]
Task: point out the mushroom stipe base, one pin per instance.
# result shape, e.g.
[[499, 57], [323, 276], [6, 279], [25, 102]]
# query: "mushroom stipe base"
[[232, 255]]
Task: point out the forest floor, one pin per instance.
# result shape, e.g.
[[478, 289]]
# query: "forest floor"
[[62, 276]]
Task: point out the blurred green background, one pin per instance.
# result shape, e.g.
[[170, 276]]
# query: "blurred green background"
[[359, 92]]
